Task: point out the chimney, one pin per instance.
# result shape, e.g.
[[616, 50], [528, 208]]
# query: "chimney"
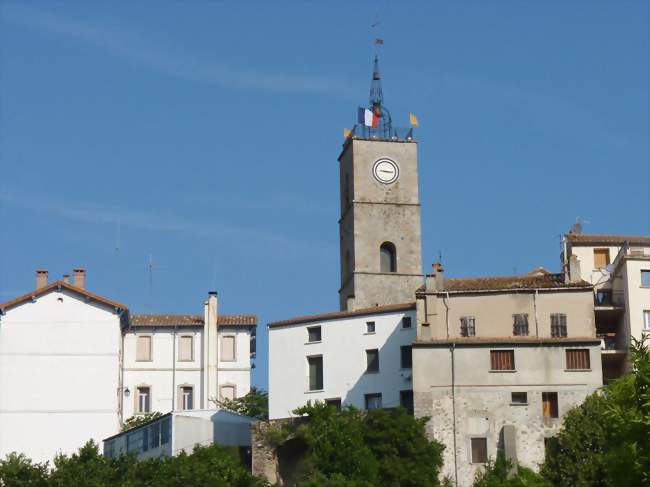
[[41, 278], [211, 351], [574, 269], [439, 276], [79, 278], [66, 278]]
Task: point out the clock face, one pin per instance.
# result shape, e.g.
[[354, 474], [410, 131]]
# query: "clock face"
[[385, 171]]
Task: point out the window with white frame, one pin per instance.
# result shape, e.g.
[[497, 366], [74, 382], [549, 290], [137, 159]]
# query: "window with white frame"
[[143, 348], [186, 348], [645, 278], [187, 398], [143, 398], [228, 348], [646, 320]]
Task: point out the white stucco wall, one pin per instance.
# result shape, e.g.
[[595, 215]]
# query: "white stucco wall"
[[343, 345], [59, 375], [164, 378]]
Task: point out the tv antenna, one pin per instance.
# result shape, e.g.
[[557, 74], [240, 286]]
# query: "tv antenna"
[[576, 228]]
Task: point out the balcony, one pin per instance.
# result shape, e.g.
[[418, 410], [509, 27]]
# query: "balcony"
[[608, 300], [611, 343]]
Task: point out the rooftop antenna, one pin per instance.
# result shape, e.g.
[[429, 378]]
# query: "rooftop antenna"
[[117, 235], [576, 228]]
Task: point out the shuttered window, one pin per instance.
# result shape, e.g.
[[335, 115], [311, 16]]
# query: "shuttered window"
[[228, 348], [577, 359], [467, 326], [227, 392], [315, 373], [520, 325], [479, 450], [143, 351], [186, 349], [558, 325], [549, 405], [502, 359], [601, 258]]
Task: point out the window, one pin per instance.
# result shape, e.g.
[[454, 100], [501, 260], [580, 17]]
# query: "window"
[[187, 398], [165, 431], [134, 441], [227, 391], [143, 351], [549, 404], [406, 323], [144, 399], [601, 258], [228, 348], [315, 373], [372, 360], [558, 325], [479, 450], [520, 325], [646, 320], [186, 349], [645, 278], [154, 435], [373, 401], [467, 326], [519, 398], [406, 400], [313, 334], [387, 258], [335, 403], [406, 357], [577, 359], [502, 359], [370, 326]]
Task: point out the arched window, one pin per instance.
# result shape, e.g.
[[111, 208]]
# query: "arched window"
[[387, 258]]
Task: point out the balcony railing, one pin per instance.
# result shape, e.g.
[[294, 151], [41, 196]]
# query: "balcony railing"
[[609, 341], [607, 297], [383, 132]]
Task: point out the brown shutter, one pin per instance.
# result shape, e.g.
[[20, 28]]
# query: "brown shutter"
[[577, 359], [601, 258], [502, 359]]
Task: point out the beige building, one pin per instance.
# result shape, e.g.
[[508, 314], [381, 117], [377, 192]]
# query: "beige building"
[[498, 361], [619, 268]]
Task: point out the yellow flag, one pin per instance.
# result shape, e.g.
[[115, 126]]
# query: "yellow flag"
[[347, 133], [413, 120]]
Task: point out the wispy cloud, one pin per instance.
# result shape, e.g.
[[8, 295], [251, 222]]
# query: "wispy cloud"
[[155, 221], [160, 56]]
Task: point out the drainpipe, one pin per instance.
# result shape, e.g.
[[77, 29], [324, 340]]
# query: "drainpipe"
[[120, 400], [535, 308], [452, 349], [174, 369]]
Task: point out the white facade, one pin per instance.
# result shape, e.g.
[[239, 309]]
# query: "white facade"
[[182, 431], [622, 298], [168, 374], [71, 370], [59, 373], [344, 339]]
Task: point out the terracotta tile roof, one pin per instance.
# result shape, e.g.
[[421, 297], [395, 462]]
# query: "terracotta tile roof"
[[611, 239], [538, 280], [343, 314], [60, 284], [191, 320]]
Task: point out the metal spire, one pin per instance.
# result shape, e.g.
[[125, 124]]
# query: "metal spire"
[[376, 94]]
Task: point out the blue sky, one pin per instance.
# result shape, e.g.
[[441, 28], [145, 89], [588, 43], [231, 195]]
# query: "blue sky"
[[205, 134]]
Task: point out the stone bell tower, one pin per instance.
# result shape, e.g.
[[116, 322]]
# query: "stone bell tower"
[[381, 254]]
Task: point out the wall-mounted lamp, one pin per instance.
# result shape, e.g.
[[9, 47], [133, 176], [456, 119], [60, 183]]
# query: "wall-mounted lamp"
[[127, 392]]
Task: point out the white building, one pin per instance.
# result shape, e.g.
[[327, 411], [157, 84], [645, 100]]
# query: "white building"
[[75, 365], [181, 431], [164, 360], [619, 268], [60, 375], [360, 358]]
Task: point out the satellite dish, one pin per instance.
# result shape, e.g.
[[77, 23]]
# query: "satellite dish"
[[608, 269]]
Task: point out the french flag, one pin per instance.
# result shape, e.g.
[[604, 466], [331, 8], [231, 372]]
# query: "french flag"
[[368, 118]]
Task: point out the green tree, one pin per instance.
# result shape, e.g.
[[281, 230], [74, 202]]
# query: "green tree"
[[139, 420], [606, 440], [254, 404], [495, 474], [19, 471]]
